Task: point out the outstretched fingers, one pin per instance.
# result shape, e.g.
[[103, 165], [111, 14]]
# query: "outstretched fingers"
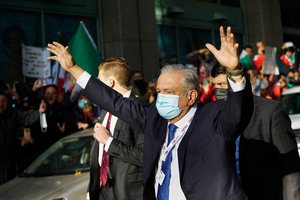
[[52, 58], [53, 49], [211, 48], [229, 35], [236, 46], [58, 45], [222, 34]]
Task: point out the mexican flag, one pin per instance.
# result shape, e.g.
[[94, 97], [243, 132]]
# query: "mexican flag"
[[245, 60], [84, 50]]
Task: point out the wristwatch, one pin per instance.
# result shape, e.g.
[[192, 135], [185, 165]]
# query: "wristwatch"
[[239, 72]]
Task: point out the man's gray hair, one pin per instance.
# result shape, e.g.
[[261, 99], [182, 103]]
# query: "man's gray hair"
[[190, 80]]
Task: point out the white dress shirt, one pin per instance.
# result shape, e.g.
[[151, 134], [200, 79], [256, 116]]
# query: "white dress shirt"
[[82, 82], [113, 122], [175, 190]]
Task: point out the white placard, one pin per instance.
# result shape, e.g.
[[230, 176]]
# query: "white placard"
[[269, 65], [35, 63]]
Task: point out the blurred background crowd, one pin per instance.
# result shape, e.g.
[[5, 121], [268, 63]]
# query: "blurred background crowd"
[[25, 136]]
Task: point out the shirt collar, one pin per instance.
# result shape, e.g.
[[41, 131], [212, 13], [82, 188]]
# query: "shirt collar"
[[180, 124], [127, 94]]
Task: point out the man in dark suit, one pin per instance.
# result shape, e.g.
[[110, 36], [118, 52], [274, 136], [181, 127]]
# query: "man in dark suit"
[[188, 149], [123, 144], [269, 164]]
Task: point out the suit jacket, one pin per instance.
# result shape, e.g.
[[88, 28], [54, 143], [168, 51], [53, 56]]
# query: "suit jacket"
[[125, 163], [268, 151], [206, 152]]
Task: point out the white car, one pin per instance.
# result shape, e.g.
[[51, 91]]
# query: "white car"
[[60, 173], [290, 100]]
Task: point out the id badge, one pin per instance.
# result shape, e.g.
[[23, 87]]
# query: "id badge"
[[161, 177]]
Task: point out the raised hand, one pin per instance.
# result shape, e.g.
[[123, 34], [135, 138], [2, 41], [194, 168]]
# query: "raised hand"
[[61, 54], [65, 59], [227, 55], [43, 107]]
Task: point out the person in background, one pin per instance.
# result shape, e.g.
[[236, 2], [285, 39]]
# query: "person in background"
[[152, 91], [206, 62], [117, 145], [56, 118], [249, 49], [246, 57], [259, 58], [139, 86], [206, 91], [296, 79], [268, 162], [84, 114], [10, 119], [279, 87], [188, 150], [27, 151], [288, 57], [255, 82]]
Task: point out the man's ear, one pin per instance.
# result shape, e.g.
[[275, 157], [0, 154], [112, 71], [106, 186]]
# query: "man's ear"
[[192, 97], [112, 82]]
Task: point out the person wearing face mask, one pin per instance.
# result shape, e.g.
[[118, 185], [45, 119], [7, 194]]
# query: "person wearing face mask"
[[219, 81], [122, 144], [188, 148], [268, 163], [84, 114]]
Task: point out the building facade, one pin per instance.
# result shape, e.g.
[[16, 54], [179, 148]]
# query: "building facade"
[[147, 33]]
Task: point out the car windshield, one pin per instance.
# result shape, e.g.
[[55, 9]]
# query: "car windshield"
[[291, 103], [69, 155]]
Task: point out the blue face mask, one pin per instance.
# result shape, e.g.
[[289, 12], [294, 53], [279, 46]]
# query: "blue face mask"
[[81, 103], [167, 105]]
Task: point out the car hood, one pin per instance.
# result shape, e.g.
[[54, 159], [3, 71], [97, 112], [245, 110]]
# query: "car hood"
[[47, 188], [295, 119]]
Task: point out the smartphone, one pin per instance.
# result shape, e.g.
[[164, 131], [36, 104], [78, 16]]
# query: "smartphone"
[[45, 81]]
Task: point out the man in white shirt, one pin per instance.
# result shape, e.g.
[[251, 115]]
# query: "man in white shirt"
[[198, 161], [117, 140]]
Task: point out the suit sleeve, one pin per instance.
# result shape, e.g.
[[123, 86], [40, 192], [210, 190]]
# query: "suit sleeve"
[[132, 154], [291, 186], [283, 138], [27, 118], [132, 111], [235, 113]]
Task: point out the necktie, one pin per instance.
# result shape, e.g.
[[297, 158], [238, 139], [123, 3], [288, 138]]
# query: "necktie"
[[163, 189], [104, 164], [237, 158]]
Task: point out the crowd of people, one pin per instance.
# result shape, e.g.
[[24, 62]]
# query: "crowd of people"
[[267, 85], [185, 117], [24, 134]]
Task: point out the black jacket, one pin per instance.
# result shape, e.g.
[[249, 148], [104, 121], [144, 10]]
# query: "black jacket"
[[268, 151], [125, 163], [206, 152]]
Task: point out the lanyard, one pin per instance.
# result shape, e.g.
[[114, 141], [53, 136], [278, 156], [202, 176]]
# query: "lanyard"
[[166, 149]]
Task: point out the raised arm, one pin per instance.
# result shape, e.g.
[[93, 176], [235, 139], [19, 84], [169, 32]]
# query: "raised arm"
[[228, 53], [65, 59], [238, 107], [133, 112]]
